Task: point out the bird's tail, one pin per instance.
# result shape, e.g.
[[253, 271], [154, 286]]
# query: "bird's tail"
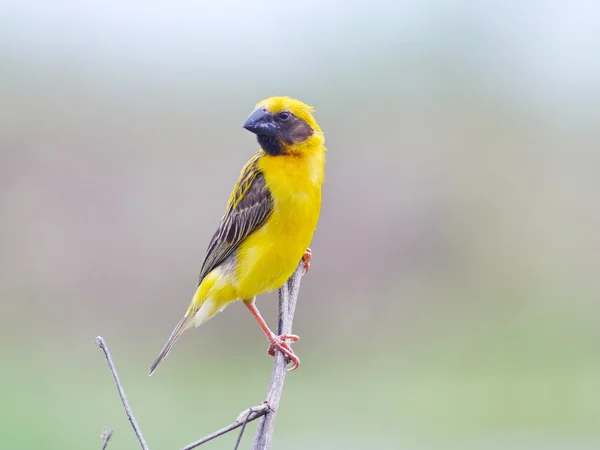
[[183, 324], [199, 311]]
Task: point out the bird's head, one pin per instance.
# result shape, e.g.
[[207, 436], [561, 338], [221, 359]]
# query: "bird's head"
[[284, 126]]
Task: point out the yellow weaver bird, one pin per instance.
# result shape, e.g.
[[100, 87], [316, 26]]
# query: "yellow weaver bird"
[[269, 221]]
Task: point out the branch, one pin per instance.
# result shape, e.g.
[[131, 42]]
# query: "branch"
[[111, 366], [288, 296]]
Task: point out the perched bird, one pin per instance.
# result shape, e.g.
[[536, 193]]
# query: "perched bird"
[[269, 221]]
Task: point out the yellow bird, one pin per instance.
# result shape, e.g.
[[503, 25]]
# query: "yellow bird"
[[269, 221]]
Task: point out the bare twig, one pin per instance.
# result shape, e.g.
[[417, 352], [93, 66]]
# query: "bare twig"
[[111, 366], [245, 416], [288, 296], [105, 436]]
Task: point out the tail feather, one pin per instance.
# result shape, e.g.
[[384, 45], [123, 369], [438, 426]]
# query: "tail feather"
[[198, 312], [178, 331]]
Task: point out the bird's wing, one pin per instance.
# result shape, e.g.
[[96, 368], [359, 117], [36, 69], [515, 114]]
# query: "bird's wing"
[[249, 206]]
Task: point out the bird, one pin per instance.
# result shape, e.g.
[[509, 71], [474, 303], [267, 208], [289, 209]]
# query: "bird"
[[269, 221]]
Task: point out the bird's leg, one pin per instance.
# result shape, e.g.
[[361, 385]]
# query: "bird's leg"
[[306, 260], [276, 342]]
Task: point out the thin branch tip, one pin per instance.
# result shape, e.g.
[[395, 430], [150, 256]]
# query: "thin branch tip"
[[105, 436], [128, 411]]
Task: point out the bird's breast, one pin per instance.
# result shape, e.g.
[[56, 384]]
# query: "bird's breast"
[[270, 255]]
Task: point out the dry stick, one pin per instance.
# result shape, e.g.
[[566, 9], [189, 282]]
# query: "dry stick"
[[288, 296], [111, 366]]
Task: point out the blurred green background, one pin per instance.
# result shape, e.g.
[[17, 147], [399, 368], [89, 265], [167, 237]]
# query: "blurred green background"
[[453, 297]]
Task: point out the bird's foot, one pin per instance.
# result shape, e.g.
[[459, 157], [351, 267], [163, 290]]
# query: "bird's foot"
[[306, 260], [281, 343]]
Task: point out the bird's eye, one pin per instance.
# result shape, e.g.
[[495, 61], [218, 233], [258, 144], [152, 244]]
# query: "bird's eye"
[[284, 115]]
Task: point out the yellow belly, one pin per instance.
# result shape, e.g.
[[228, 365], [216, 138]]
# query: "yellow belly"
[[270, 255], [268, 258]]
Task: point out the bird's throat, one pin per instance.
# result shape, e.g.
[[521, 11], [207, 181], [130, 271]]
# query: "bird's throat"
[[270, 144]]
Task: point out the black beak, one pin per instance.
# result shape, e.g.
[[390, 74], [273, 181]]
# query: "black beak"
[[260, 122]]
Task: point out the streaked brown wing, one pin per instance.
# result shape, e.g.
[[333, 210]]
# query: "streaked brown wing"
[[250, 205]]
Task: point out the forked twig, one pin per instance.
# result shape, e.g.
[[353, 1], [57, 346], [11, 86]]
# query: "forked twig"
[[244, 417]]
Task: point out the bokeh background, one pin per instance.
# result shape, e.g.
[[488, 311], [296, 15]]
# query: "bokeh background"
[[453, 297]]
